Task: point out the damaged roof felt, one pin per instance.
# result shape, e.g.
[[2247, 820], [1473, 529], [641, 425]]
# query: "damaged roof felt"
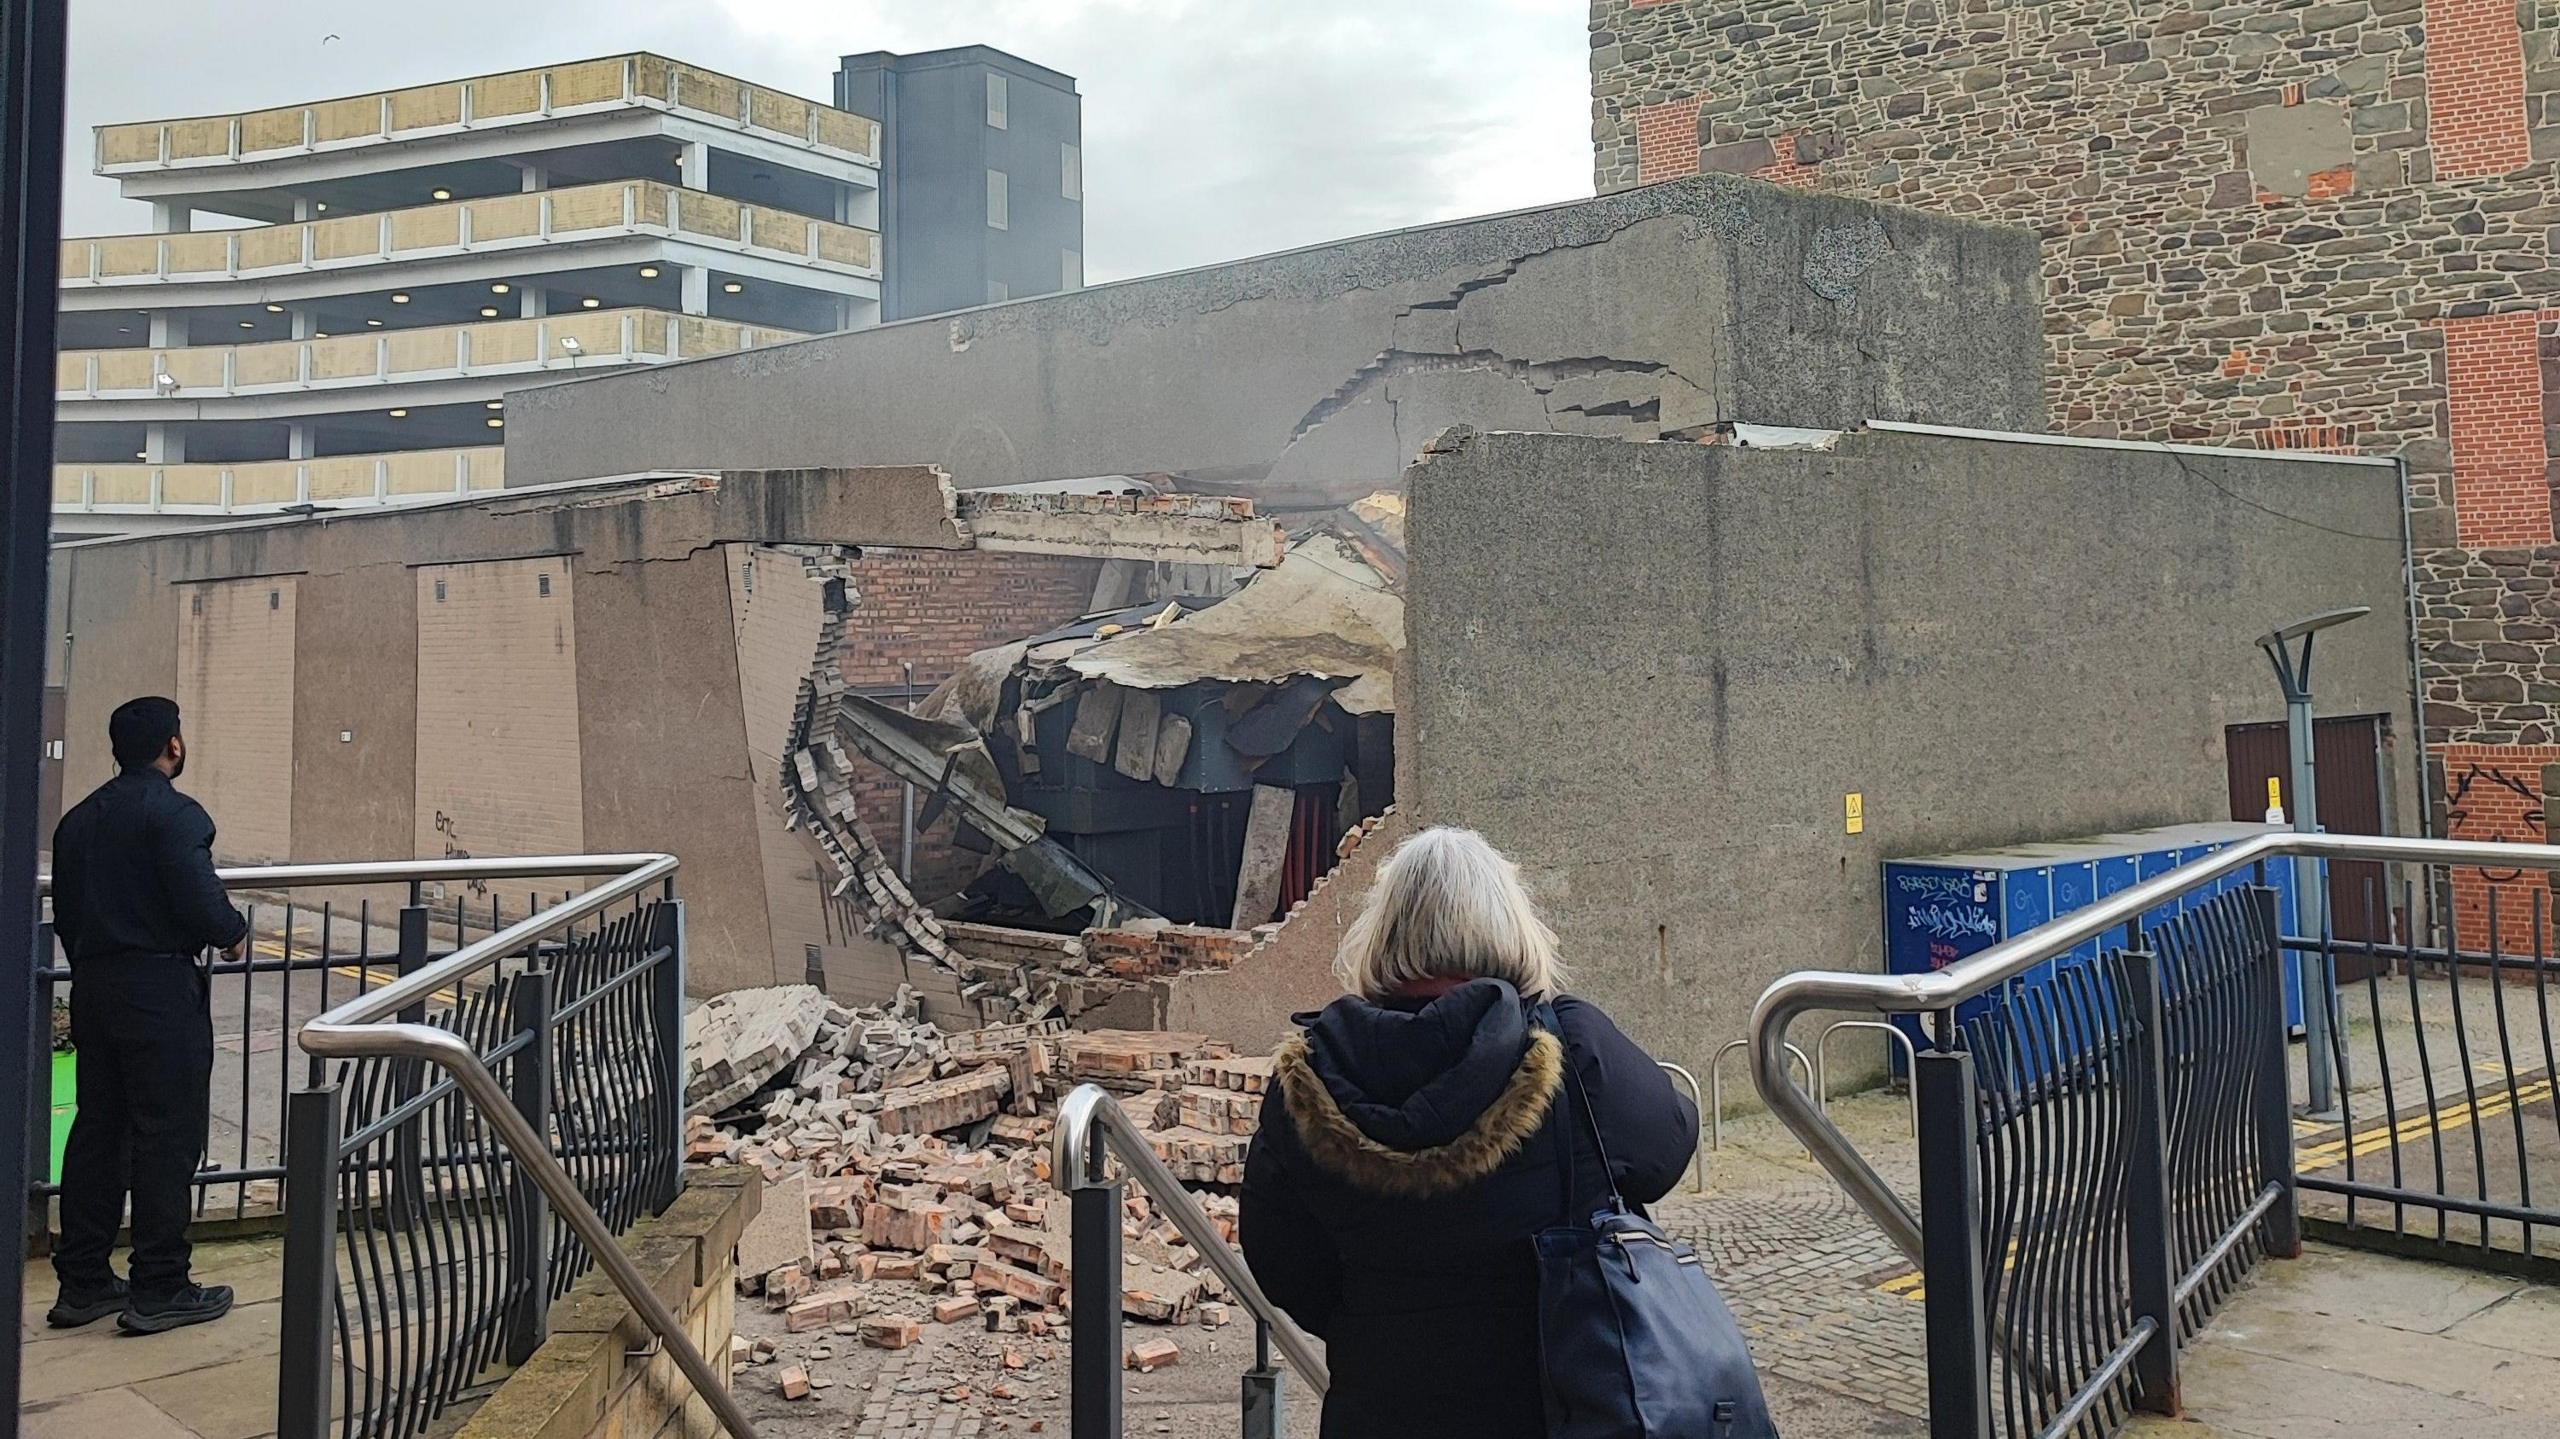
[[1325, 612]]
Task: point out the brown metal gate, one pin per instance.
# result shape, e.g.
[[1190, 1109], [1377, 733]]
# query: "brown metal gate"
[[2347, 755]]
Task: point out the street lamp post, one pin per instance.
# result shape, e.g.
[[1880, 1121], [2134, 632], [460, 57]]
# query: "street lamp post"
[[2293, 676]]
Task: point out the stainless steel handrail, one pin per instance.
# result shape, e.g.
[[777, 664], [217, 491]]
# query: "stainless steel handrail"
[[415, 871], [350, 1031], [1810, 990], [1697, 1101], [1090, 1122]]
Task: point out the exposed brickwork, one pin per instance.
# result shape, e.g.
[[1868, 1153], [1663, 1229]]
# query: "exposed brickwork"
[[2476, 88], [235, 699], [2261, 228], [1667, 141], [934, 609], [2494, 792], [2493, 400]]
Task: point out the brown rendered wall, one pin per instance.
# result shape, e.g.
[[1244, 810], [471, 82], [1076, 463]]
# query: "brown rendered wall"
[[356, 795], [235, 696], [619, 695], [498, 705], [664, 751]]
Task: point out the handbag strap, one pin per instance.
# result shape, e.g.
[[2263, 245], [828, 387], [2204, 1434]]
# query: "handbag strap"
[[1572, 1095]]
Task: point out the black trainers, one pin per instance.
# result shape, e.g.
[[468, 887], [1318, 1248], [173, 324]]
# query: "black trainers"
[[76, 1307], [195, 1304]]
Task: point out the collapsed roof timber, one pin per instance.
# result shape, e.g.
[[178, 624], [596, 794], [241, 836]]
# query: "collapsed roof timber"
[[1189, 753]]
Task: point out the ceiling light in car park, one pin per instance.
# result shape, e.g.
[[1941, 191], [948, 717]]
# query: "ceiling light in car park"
[[647, 272], [496, 424], [377, 324], [141, 455], [732, 288], [590, 302], [399, 298], [248, 324], [275, 309], [495, 405], [488, 312], [442, 193], [499, 288], [399, 414], [322, 207]]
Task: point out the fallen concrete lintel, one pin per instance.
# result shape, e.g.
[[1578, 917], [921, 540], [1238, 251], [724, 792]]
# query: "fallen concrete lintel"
[[1167, 529]]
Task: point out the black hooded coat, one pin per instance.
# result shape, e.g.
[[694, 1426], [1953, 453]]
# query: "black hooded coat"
[[1408, 1152]]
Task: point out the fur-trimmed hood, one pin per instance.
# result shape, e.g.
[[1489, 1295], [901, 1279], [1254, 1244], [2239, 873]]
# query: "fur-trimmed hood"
[[1420, 1101]]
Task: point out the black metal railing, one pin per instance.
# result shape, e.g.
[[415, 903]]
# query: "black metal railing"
[[426, 1232], [300, 960], [2098, 1135], [432, 1254], [2413, 1116], [2442, 1046]]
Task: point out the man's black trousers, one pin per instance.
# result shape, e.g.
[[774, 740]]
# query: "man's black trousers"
[[143, 1032]]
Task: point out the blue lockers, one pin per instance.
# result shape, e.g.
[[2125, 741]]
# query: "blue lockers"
[[1943, 908]]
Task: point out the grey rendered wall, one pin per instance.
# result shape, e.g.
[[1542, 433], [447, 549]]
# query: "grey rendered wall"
[[1653, 672], [1310, 378]]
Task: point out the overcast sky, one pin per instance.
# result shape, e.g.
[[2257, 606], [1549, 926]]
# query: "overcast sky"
[[1213, 129]]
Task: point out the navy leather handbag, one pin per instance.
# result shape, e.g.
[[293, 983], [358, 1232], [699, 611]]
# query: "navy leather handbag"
[[1636, 1341]]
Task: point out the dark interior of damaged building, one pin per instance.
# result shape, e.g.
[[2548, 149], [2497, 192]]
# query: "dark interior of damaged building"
[[1193, 756]]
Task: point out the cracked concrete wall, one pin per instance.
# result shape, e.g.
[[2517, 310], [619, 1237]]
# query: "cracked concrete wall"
[[644, 713], [1992, 642], [1313, 377]]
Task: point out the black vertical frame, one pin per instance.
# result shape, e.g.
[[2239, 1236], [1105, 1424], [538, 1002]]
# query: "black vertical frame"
[[32, 57]]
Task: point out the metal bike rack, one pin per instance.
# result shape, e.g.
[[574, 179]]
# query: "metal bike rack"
[[1910, 1056], [1697, 1165], [1715, 1087]]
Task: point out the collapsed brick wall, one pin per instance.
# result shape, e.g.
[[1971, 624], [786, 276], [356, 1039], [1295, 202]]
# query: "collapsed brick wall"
[[1289, 967], [2323, 226], [933, 609]]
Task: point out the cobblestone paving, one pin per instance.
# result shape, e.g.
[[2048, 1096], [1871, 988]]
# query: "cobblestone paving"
[[1800, 1264]]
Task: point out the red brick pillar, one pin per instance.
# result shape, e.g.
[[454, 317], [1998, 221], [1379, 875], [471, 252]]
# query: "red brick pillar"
[[2493, 403], [2475, 89], [1667, 140]]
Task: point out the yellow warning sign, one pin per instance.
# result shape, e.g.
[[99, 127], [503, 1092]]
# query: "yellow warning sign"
[[2275, 792], [1857, 814]]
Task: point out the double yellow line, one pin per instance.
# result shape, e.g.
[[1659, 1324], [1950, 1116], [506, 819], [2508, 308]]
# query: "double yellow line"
[[369, 975], [2447, 1117]]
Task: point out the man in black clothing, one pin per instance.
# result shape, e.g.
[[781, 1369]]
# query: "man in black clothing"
[[135, 902]]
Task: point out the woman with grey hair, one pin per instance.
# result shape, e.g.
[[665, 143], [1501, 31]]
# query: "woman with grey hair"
[[1416, 1139]]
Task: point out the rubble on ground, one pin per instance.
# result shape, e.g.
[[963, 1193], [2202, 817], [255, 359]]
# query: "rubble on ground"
[[910, 1167]]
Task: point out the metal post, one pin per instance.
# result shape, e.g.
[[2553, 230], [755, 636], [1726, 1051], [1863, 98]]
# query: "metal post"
[[1951, 1248], [666, 996], [2275, 1095], [1093, 1367], [907, 813], [1262, 1389], [528, 1213], [310, 1295], [408, 1078], [40, 1094], [31, 81], [2151, 1260], [2293, 676]]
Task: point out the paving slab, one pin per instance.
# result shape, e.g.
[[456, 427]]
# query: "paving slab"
[[2525, 1322], [2402, 1294], [98, 1357], [112, 1413]]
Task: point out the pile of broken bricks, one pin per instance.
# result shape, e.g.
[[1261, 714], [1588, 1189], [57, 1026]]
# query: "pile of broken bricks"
[[907, 1169]]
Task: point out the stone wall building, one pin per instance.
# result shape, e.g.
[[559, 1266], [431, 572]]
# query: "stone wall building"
[[2285, 225]]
